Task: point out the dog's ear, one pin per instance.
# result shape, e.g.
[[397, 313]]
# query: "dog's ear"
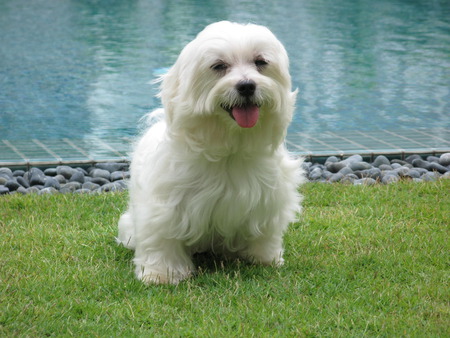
[[169, 91]]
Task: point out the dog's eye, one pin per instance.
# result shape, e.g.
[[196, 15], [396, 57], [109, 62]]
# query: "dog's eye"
[[260, 63], [219, 66]]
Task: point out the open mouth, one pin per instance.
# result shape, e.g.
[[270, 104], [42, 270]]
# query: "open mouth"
[[246, 116]]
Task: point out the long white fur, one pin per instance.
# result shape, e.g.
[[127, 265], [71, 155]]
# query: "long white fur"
[[201, 182]]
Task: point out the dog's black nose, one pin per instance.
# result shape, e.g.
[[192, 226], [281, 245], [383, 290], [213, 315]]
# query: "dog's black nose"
[[246, 87]]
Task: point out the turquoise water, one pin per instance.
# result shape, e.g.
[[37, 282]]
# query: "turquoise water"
[[84, 68]]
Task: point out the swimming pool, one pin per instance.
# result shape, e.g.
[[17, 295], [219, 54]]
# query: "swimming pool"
[[81, 70]]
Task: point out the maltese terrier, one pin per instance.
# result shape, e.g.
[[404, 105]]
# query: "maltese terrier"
[[211, 172]]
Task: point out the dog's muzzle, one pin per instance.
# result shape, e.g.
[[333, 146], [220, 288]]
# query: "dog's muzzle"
[[245, 114]]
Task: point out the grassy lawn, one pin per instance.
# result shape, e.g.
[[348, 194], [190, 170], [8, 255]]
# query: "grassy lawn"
[[363, 261]]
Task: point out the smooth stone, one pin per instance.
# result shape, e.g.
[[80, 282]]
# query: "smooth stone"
[[396, 165], [381, 160], [388, 179], [3, 190], [411, 158], [346, 171], [353, 158], [397, 161], [23, 182], [82, 191], [334, 167], [413, 174], [50, 172], [6, 172], [113, 166], [446, 175], [85, 173], [326, 175], [365, 181], [90, 186], [332, 159], [65, 170], [21, 190], [430, 176], [385, 167], [444, 159], [33, 190], [102, 173], [121, 175], [17, 173], [77, 176], [349, 179], [3, 180], [315, 174], [37, 176], [402, 171], [48, 191], [112, 187], [374, 173], [433, 159], [52, 182], [359, 166], [336, 177], [61, 179], [438, 167], [70, 187], [99, 180], [419, 163], [12, 185]]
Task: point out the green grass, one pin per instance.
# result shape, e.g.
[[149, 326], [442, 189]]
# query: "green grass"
[[363, 261]]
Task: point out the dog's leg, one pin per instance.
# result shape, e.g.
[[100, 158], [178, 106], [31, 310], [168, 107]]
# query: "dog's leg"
[[126, 235], [164, 262], [267, 250]]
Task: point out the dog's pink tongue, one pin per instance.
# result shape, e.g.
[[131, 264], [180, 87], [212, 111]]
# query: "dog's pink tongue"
[[246, 116]]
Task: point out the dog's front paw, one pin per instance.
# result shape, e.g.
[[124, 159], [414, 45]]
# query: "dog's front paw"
[[158, 275]]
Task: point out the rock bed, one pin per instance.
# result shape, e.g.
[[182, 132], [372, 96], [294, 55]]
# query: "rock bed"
[[354, 170], [104, 177]]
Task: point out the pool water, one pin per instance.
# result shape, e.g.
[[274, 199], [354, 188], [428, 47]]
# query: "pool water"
[[80, 69]]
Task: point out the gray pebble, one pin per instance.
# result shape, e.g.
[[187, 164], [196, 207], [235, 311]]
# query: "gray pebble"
[[381, 160], [336, 177], [419, 163], [12, 185], [3, 180], [346, 171], [23, 182], [100, 180], [388, 179], [444, 159], [314, 175], [6, 172], [438, 167], [65, 170], [70, 187], [112, 187], [50, 172], [374, 173], [121, 175], [112, 166], [411, 158], [365, 181], [48, 191], [101, 173], [52, 182], [385, 167], [61, 179], [33, 190], [82, 191], [334, 167], [433, 159], [359, 166], [37, 176], [3, 190], [349, 179], [430, 176], [353, 158], [413, 173], [18, 173], [90, 186], [332, 159], [77, 176]]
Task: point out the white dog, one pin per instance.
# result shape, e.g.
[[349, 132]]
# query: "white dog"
[[212, 173]]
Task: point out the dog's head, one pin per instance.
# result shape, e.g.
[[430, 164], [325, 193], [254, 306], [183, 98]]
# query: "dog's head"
[[236, 75]]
